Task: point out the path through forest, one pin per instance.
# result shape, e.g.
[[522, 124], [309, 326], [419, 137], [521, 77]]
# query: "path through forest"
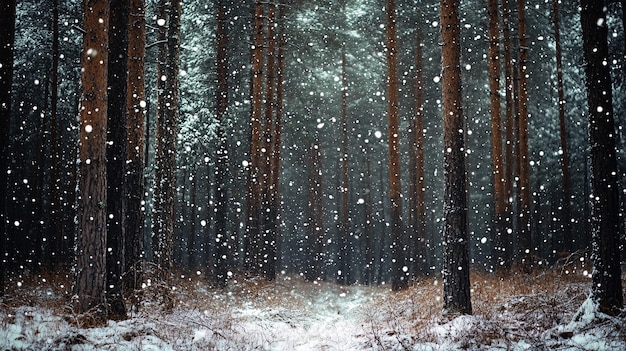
[[329, 317]]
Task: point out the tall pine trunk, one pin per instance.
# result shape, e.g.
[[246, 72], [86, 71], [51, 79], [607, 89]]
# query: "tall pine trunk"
[[166, 132], [275, 164], [252, 240], [344, 221], [315, 227], [606, 277], [417, 210], [456, 280], [509, 135], [7, 39], [525, 244], [90, 271], [498, 172], [135, 144], [158, 215], [268, 237], [58, 246], [222, 239], [116, 157], [399, 279], [567, 239]]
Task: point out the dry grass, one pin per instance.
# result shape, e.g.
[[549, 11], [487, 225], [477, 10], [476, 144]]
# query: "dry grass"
[[507, 309]]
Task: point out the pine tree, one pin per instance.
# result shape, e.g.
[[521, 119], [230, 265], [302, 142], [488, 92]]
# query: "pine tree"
[[116, 157], [7, 39], [252, 240], [499, 179], [399, 279], [135, 145], [166, 133], [417, 205], [510, 135], [567, 243], [90, 277], [606, 277], [222, 238], [525, 242], [456, 280]]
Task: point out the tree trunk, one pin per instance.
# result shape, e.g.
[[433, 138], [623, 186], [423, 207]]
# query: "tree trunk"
[[90, 277], [116, 157], [158, 217], [135, 145], [607, 284], [524, 160], [344, 222], [499, 180], [58, 245], [567, 239], [7, 39], [193, 203], [368, 274], [456, 280], [268, 237], [166, 133], [509, 137], [222, 239], [252, 240], [399, 279], [277, 135], [417, 212], [315, 227]]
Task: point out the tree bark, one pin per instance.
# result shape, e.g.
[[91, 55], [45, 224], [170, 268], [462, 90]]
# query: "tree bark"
[[252, 240], [456, 280], [135, 145], [499, 180], [116, 157], [345, 248], [268, 237], [315, 227], [509, 136], [58, 245], [166, 132], [368, 272], [417, 212], [567, 239], [277, 134], [606, 277], [525, 245], [222, 239], [90, 277], [7, 39], [399, 279], [158, 215]]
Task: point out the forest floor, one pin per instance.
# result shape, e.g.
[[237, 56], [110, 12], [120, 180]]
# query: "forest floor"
[[545, 310]]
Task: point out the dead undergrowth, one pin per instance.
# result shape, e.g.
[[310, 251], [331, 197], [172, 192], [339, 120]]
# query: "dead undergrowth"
[[187, 312]]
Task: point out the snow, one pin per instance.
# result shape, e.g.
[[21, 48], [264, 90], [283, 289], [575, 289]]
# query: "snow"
[[520, 313]]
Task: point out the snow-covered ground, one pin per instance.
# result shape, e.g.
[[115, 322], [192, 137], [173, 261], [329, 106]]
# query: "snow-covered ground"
[[546, 311]]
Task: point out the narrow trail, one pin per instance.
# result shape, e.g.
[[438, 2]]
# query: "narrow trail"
[[330, 317]]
